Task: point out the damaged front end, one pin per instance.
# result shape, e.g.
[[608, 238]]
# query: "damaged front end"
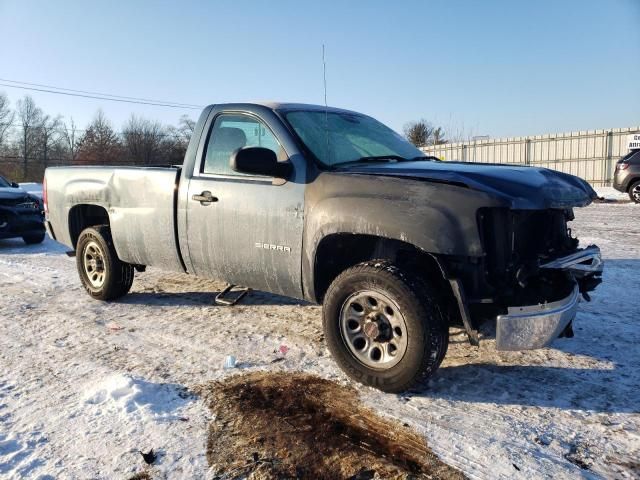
[[531, 278], [20, 215], [534, 326]]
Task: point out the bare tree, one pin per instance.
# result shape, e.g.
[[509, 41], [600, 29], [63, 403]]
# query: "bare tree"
[[438, 136], [6, 117], [419, 133], [49, 136], [186, 126], [99, 145], [30, 118], [143, 140], [176, 140], [42, 139], [70, 138]]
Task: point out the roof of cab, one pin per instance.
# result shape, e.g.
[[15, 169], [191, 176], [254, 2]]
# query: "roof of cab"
[[288, 106]]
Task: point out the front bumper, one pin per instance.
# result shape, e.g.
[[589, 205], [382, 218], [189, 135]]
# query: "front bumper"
[[20, 222], [534, 326]]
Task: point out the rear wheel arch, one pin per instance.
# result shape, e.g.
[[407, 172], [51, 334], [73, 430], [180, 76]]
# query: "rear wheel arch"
[[634, 187], [83, 216]]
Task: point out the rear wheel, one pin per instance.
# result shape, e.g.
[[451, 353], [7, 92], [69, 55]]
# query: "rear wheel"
[[103, 275], [33, 238], [384, 326], [634, 192]]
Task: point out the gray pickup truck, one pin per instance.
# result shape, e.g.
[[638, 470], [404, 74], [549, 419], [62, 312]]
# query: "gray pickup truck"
[[331, 206]]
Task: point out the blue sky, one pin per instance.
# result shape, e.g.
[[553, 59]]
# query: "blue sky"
[[499, 68]]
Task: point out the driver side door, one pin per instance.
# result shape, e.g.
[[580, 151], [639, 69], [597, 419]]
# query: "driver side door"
[[244, 229]]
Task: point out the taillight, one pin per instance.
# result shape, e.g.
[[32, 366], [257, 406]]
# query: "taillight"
[[623, 166], [44, 196]]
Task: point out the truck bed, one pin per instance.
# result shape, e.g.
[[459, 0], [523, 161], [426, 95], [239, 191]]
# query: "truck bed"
[[140, 202]]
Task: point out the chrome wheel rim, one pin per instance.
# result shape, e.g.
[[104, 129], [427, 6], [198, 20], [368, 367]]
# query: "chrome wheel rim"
[[373, 329], [635, 193], [93, 262]]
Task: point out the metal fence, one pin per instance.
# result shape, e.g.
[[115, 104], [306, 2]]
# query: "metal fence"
[[590, 154]]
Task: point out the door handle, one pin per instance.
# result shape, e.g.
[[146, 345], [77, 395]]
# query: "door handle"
[[205, 198]]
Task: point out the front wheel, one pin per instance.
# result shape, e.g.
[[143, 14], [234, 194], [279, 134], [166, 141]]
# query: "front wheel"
[[33, 238], [383, 326], [103, 275], [634, 192]]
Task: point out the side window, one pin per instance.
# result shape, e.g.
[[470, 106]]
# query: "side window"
[[233, 131]]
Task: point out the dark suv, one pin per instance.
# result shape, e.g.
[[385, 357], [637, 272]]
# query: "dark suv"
[[21, 214], [627, 176]]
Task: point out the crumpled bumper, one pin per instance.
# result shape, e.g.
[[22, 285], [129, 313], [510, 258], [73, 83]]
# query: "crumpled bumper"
[[534, 326], [587, 261]]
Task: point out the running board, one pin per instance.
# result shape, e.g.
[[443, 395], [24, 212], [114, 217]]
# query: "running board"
[[239, 293]]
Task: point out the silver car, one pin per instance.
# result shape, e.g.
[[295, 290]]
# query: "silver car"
[[627, 175]]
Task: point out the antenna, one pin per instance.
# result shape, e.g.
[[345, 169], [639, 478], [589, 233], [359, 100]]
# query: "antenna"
[[326, 108], [324, 74]]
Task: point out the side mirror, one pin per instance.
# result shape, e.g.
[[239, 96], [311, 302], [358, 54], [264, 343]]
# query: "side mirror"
[[14, 185], [259, 161]]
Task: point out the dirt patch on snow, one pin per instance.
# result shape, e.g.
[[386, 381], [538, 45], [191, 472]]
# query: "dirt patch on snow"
[[293, 425]]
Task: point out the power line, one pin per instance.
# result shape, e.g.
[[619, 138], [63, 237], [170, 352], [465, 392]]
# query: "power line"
[[100, 94], [157, 104]]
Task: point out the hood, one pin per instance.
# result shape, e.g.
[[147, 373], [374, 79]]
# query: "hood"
[[32, 188], [10, 193], [521, 186], [15, 194]]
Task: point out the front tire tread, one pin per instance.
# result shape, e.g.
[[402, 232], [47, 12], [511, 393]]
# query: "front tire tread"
[[422, 308]]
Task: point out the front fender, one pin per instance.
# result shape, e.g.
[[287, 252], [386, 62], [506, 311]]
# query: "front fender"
[[437, 218], [430, 229]]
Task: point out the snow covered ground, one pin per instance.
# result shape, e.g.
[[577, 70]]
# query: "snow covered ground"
[[84, 385], [611, 194]]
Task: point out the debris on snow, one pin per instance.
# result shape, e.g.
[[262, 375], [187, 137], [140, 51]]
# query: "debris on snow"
[[113, 326], [229, 362], [283, 350], [579, 455], [148, 457], [304, 426]]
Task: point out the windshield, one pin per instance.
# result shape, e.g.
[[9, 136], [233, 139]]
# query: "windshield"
[[4, 183], [337, 138]]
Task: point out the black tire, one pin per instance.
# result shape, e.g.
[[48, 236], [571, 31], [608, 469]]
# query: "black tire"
[[634, 191], [117, 276], [33, 238], [427, 330]]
